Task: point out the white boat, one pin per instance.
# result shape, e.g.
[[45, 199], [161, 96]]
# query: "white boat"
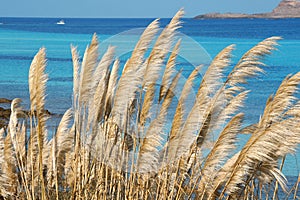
[[61, 22]]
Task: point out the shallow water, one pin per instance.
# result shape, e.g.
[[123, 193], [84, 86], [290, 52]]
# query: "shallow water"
[[20, 39]]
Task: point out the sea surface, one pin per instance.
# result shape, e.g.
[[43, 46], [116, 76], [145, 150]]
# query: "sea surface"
[[21, 38]]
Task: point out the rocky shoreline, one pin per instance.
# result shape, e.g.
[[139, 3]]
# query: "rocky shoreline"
[[285, 9], [5, 112]]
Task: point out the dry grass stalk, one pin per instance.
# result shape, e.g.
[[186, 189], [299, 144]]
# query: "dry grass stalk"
[[116, 141]]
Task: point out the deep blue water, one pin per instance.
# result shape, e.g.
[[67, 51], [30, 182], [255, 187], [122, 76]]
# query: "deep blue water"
[[224, 28], [20, 39]]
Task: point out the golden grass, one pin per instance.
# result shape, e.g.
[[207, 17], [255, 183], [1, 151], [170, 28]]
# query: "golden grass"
[[114, 143]]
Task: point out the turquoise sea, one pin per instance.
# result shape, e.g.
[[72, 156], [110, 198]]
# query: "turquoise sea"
[[20, 39]]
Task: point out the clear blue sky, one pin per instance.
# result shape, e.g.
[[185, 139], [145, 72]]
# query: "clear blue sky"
[[128, 8]]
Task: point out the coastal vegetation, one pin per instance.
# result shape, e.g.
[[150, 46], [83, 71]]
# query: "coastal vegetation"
[[116, 141]]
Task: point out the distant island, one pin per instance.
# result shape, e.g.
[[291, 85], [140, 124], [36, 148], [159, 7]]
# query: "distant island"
[[285, 9]]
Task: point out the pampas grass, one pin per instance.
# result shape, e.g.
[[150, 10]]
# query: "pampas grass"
[[115, 142]]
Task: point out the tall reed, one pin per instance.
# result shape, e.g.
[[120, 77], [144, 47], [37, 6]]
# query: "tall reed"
[[115, 142]]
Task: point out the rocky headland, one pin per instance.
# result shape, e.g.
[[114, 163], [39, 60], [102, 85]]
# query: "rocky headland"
[[285, 9]]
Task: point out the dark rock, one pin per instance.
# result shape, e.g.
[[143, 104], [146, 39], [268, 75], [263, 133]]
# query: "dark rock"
[[4, 100], [46, 112], [5, 115], [3, 123]]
